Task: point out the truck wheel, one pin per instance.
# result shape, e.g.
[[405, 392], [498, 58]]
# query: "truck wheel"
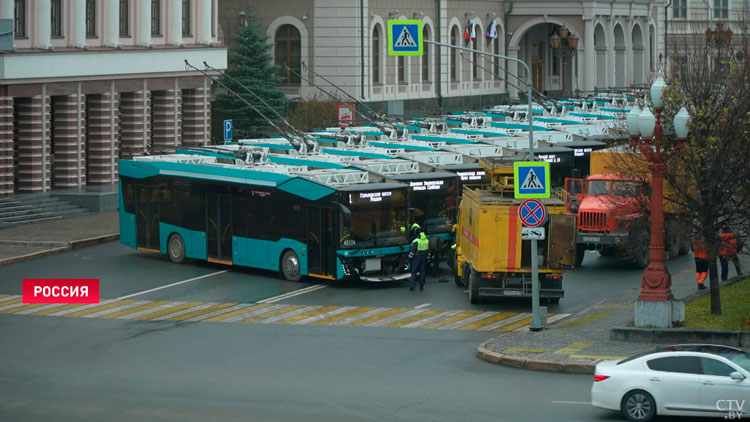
[[607, 252], [580, 251], [473, 287]]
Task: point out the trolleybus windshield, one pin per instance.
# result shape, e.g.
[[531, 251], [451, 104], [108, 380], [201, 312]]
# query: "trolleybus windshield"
[[434, 204], [378, 219]]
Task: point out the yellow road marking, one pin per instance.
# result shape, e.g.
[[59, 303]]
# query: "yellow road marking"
[[585, 320], [21, 308], [59, 308], [488, 321], [237, 312], [510, 349], [163, 312], [306, 315], [376, 317], [279, 311], [100, 308], [2, 296], [413, 318], [451, 320], [344, 315], [513, 326], [202, 311], [134, 310], [12, 301], [596, 357], [575, 347]]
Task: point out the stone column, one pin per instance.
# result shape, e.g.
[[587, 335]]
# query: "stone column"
[[166, 109], [196, 117], [6, 146], [80, 23], [513, 73], [103, 129], [589, 60], [175, 24], [206, 16], [135, 123], [6, 9], [113, 23], [144, 25], [33, 145], [69, 167], [45, 24]]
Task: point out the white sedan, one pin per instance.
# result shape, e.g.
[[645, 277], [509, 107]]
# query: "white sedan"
[[681, 380]]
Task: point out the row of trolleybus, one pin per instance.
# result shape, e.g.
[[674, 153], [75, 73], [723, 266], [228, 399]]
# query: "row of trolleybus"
[[334, 213]]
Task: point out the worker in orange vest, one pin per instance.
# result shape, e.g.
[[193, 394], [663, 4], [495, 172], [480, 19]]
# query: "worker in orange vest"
[[729, 247], [701, 262]]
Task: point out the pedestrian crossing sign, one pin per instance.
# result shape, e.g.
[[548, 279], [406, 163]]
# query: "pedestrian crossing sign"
[[531, 179], [405, 38]]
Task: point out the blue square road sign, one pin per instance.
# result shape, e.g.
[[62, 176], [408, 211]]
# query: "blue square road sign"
[[227, 130]]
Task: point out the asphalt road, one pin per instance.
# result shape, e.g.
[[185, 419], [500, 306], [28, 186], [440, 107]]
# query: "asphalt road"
[[81, 369]]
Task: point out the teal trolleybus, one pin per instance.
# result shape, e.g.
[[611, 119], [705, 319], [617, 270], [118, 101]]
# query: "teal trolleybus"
[[328, 223]]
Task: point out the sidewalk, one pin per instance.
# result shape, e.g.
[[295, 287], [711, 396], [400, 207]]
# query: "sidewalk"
[[577, 343], [34, 240]]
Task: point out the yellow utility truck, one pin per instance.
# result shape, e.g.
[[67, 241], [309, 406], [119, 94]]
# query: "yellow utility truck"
[[491, 257]]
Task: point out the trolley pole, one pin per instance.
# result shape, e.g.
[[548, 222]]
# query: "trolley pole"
[[539, 314]]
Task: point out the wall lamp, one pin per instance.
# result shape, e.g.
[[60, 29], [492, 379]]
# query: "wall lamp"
[[418, 15], [393, 13], [491, 15], [469, 13]]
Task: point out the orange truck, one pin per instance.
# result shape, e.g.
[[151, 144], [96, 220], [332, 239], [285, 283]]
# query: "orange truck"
[[491, 257], [612, 205]]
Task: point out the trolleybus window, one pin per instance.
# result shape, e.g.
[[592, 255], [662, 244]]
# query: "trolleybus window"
[[376, 219]]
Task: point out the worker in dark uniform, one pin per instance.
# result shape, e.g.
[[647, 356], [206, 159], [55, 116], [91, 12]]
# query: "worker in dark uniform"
[[436, 244], [418, 258]]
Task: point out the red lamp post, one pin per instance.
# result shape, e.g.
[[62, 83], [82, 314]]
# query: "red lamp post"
[[646, 136]]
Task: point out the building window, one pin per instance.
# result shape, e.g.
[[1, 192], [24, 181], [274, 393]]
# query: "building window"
[[475, 56], [156, 18], [288, 54], [426, 55], [721, 9], [376, 55], [679, 8], [496, 60], [56, 14], [19, 19], [454, 41], [124, 18], [91, 18], [186, 31], [401, 70]]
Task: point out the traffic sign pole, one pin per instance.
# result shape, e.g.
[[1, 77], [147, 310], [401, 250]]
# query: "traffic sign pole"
[[533, 214]]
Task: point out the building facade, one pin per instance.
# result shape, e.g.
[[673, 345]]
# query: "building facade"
[[607, 44], [91, 81]]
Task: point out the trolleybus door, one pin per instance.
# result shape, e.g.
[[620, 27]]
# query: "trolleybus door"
[[219, 228], [320, 252], [147, 217]]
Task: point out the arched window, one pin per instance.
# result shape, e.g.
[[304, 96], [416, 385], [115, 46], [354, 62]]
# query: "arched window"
[[476, 73], [288, 53], [376, 55], [426, 55], [454, 41]]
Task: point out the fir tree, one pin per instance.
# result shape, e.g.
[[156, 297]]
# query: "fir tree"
[[250, 65]]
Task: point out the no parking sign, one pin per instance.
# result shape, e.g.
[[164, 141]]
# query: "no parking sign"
[[532, 213]]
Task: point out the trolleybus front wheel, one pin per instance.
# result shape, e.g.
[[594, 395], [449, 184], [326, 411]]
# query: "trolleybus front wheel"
[[176, 248], [290, 266]]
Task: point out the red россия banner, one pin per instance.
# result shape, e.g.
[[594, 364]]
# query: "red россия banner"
[[61, 290]]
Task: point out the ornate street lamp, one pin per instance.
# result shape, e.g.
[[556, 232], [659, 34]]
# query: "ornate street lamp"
[[564, 45], [655, 306], [719, 37]]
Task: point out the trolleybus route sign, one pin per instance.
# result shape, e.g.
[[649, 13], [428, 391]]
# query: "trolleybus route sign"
[[532, 213]]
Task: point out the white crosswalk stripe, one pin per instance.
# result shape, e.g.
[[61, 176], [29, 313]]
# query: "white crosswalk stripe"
[[184, 311], [363, 315], [40, 308], [285, 315], [81, 308], [467, 321], [324, 315], [253, 313], [394, 318], [504, 322], [149, 311], [116, 309], [219, 312], [430, 320], [8, 298]]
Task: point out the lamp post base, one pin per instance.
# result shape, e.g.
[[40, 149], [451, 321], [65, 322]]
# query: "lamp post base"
[[658, 314]]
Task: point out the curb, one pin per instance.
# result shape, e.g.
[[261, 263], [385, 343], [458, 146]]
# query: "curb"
[[75, 244], [534, 364]]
